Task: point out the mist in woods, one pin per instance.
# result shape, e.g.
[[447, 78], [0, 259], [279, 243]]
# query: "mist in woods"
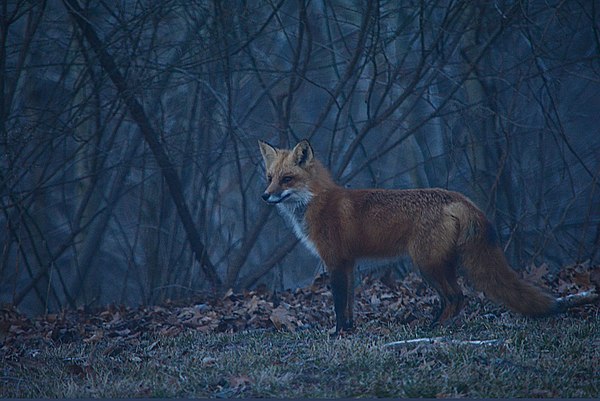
[[130, 172]]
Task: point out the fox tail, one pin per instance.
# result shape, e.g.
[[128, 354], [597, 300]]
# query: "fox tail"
[[489, 271]]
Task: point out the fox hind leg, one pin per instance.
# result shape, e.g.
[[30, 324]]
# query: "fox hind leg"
[[443, 278]]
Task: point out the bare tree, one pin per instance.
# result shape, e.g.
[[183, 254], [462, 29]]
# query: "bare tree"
[[111, 114]]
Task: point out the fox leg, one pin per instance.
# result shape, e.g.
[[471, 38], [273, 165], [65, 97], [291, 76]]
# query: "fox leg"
[[443, 280], [441, 275], [350, 299], [343, 293]]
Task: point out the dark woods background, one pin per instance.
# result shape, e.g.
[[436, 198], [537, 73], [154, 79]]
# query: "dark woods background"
[[128, 132]]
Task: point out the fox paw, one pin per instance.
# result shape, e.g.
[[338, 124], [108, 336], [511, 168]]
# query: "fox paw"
[[335, 333]]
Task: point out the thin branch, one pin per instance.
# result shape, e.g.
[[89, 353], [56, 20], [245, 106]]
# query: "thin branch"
[[151, 137]]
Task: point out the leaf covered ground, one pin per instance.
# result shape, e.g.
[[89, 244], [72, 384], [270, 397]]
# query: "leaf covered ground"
[[260, 344]]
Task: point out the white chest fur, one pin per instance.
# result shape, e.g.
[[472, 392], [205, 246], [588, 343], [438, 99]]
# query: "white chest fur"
[[295, 213]]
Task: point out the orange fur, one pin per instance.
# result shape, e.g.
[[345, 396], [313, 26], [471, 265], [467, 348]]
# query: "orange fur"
[[439, 229]]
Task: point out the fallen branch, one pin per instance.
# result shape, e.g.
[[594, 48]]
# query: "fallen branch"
[[441, 341], [582, 298]]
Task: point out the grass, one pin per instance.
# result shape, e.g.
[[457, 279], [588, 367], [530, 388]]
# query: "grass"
[[554, 357]]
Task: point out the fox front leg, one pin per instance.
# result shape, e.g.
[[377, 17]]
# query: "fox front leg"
[[350, 299], [342, 291]]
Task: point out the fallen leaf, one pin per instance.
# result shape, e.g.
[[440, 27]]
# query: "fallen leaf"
[[536, 273], [280, 318], [582, 279], [228, 294], [595, 277]]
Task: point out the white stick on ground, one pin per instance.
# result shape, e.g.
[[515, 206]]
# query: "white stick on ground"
[[582, 298], [441, 341]]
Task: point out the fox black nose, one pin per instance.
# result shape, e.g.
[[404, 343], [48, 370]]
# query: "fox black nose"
[[266, 195]]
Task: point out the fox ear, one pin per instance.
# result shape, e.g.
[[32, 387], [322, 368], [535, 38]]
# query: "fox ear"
[[268, 152], [303, 153]]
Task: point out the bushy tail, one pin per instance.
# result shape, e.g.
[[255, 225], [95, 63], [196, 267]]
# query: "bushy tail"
[[489, 271]]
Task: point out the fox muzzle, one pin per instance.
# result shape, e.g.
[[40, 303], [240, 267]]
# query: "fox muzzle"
[[273, 199]]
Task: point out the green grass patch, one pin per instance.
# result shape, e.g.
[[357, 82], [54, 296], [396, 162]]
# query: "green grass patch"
[[554, 357]]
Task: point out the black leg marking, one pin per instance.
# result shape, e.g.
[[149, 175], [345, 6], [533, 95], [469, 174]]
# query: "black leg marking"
[[339, 289]]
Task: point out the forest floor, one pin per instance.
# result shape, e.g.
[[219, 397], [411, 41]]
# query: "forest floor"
[[260, 344]]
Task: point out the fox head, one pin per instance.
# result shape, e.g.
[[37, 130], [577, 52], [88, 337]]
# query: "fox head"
[[288, 172]]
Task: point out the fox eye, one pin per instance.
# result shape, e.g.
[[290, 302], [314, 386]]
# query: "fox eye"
[[287, 179]]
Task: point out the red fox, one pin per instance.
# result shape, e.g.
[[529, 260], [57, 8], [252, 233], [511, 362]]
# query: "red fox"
[[439, 229]]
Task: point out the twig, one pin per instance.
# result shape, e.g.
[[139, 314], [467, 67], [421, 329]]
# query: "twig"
[[441, 341], [582, 298]]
